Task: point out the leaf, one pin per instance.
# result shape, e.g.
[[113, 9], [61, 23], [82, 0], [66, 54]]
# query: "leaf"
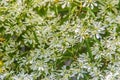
[[91, 12]]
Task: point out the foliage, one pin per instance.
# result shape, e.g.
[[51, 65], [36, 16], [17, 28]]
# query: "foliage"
[[59, 39]]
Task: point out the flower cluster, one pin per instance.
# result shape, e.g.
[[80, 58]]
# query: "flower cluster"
[[59, 40]]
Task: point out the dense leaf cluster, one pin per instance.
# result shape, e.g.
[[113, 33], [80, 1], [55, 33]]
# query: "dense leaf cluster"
[[59, 39]]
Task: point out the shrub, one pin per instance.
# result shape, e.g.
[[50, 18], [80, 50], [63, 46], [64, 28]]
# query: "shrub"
[[59, 39]]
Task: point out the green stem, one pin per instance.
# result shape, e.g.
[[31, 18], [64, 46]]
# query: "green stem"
[[89, 50]]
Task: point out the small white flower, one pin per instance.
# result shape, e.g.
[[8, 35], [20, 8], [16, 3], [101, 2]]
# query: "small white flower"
[[65, 4], [98, 36], [77, 30], [109, 76], [41, 69]]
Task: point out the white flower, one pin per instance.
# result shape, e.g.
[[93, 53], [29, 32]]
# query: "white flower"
[[109, 76], [98, 36], [77, 30], [66, 4], [89, 3], [41, 69]]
